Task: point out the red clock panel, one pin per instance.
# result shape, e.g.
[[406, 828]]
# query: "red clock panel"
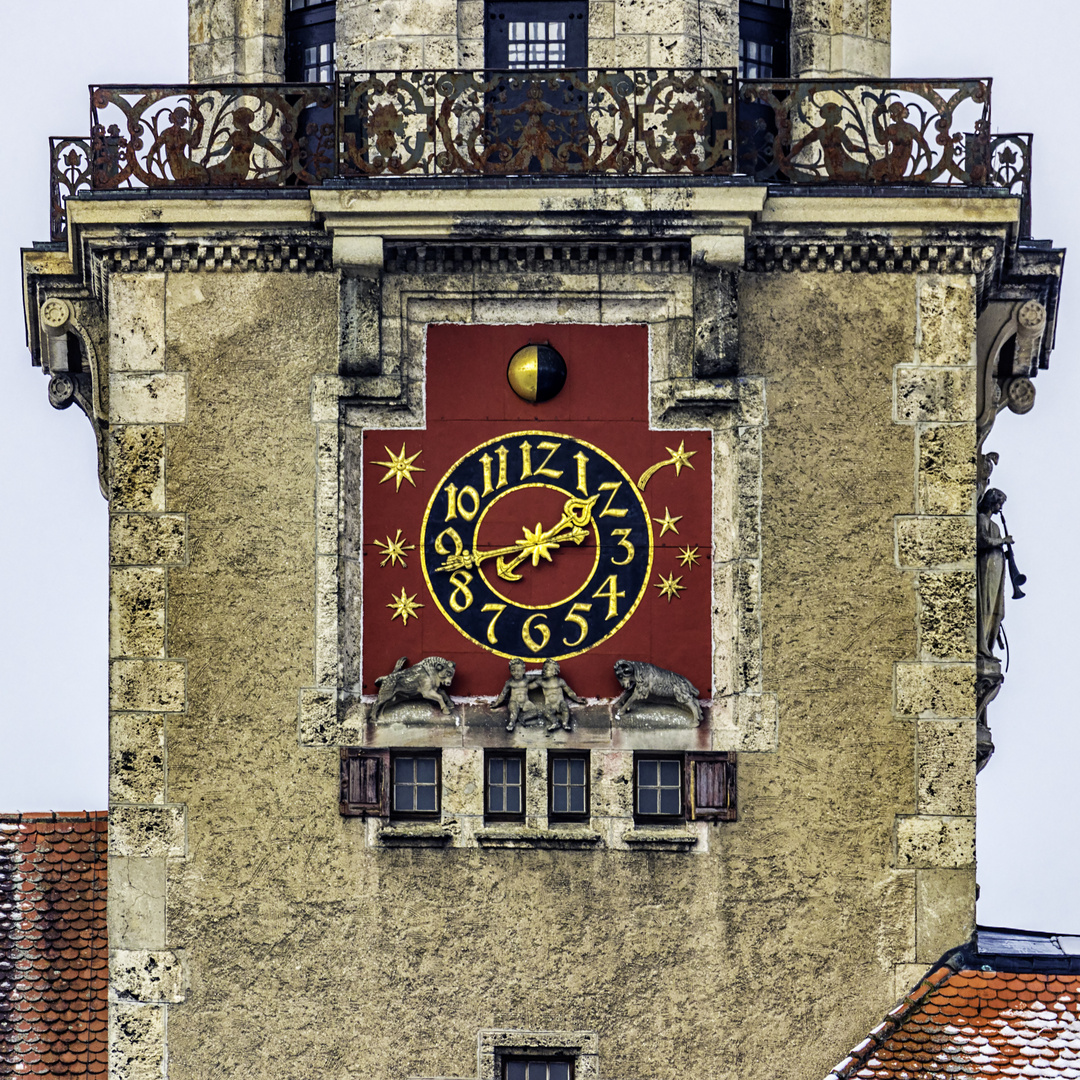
[[563, 529]]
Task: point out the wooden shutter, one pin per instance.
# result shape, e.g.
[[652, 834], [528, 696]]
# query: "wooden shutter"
[[710, 782], [365, 782]]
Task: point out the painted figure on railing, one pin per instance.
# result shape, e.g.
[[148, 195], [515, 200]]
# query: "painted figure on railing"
[[835, 145], [179, 142], [898, 137], [240, 145]]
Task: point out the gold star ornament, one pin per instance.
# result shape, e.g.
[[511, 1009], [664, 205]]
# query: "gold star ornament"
[[688, 556], [667, 522], [399, 467], [669, 586], [404, 606], [680, 457], [394, 550]]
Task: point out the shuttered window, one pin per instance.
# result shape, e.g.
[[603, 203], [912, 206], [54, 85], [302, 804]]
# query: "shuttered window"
[[363, 782], [711, 786]]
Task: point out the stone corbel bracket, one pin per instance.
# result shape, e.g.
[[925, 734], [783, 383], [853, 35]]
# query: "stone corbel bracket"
[[1016, 332], [716, 261], [71, 338], [359, 262]]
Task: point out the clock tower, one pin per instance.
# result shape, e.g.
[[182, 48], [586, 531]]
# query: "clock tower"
[[556, 577]]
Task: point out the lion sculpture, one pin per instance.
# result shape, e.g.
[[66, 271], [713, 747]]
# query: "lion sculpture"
[[421, 681], [648, 684]]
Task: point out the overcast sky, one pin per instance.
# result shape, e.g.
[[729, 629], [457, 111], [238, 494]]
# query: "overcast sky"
[[54, 589]]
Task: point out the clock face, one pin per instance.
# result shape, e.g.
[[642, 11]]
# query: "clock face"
[[537, 544], [566, 529]]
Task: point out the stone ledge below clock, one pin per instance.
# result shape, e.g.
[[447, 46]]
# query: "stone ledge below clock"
[[523, 837], [661, 838]]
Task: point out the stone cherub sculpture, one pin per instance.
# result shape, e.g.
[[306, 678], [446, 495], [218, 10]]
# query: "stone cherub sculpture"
[[515, 695], [556, 692], [553, 711]]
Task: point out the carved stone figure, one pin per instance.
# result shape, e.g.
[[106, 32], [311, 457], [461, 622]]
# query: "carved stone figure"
[[555, 709], [423, 681], [515, 695], [646, 683], [991, 571]]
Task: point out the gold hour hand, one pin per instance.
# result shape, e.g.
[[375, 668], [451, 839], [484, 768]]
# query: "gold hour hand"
[[538, 543]]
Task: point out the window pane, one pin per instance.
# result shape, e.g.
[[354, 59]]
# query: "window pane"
[[515, 1070], [537, 31], [425, 770], [577, 770], [425, 798], [752, 50], [495, 770], [559, 1070], [513, 800], [495, 800], [403, 797], [577, 799], [766, 54], [311, 55], [557, 54], [559, 767], [517, 31], [669, 801], [558, 800], [537, 1070], [556, 31], [647, 773], [513, 770], [669, 773]]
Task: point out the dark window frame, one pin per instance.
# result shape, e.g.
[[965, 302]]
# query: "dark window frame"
[[659, 819], [765, 23], [414, 815], [565, 755], [577, 40], [504, 815], [542, 1059], [313, 25]]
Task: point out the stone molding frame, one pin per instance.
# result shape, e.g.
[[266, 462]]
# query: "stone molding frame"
[[493, 1045], [733, 409]]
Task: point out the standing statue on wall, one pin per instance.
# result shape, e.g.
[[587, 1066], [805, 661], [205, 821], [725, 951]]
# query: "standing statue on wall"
[[515, 696], [994, 551]]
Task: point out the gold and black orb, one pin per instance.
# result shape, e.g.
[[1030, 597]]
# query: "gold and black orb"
[[536, 373]]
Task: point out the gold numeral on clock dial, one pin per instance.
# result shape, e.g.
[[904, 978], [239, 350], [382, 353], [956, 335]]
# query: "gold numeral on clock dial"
[[461, 597], [612, 486], [456, 502], [624, 542], [541, 627], [608, 591], [498, 609], [572, 616], [582, 483]]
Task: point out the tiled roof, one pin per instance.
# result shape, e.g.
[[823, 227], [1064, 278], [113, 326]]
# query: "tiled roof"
[[54, 950], [1006, 1005]]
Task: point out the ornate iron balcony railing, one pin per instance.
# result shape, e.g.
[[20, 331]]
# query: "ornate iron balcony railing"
[[639, 122]]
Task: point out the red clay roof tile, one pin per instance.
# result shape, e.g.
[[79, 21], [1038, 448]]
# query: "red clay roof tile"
[[52, 938]]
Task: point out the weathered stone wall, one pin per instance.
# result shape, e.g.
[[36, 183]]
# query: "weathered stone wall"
[[279, 940], [236, 40], [243, 40], [840, 38]]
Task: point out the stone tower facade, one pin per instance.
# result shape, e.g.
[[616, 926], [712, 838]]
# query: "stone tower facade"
[[551, 619]]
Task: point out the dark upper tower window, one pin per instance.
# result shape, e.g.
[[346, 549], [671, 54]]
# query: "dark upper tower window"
[[310, 46], [764, 29], [529, 35]]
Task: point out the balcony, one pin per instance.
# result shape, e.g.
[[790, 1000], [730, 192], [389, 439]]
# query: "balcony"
[[701, 125]]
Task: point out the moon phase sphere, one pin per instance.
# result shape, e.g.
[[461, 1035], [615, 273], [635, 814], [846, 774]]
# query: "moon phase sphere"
[[536, 373]]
